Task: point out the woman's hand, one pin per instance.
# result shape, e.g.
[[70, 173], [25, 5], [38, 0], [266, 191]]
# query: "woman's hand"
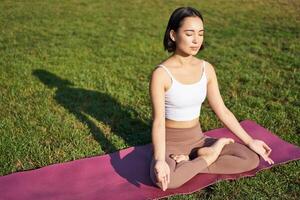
[[262, 149], [162, 172]]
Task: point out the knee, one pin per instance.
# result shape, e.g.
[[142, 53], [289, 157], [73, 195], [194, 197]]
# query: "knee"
[[177, 179], [252, 160], [173, 184], [153, 178]]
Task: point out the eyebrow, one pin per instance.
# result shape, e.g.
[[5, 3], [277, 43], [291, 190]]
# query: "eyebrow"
[[193, 30]]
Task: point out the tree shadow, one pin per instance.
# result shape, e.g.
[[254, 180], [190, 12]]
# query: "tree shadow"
[[122, 121]]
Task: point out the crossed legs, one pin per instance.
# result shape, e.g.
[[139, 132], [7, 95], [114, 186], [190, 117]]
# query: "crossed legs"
[[232, 158]]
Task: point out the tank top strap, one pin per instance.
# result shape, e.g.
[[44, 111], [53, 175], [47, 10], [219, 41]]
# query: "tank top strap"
[[166, 69], [204, 66]]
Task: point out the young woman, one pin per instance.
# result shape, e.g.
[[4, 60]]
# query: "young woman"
[[178, 87]]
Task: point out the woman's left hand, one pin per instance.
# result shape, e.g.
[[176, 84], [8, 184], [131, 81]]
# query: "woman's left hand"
[[262, 149]]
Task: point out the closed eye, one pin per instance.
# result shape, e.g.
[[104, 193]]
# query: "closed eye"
[[192, 35]]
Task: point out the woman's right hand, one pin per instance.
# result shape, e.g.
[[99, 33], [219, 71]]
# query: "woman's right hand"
[[162, 172]]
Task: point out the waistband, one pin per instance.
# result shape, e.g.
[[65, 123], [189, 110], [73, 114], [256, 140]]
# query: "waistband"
[[196, 127], [184, 135]]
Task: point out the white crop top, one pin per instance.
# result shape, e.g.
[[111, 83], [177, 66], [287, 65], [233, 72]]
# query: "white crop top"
[[183, 101]]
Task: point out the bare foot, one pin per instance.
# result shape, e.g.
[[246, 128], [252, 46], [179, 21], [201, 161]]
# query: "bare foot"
[[217, 146], [210, 154], [179, 158], [205, 151]]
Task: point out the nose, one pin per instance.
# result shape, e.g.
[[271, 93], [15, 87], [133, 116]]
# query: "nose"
[[196, 39]]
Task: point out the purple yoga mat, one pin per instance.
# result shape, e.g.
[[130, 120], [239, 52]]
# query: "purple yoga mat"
[[125, 174]]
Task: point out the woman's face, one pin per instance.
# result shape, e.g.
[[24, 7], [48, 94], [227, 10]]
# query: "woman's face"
[[189, 36]]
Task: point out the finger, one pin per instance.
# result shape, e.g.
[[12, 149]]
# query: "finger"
[[269, 160], [266, 147], [161, 185], [272, 162], [166, 178], [264, 157], [156, 172], [168, 173], [160, 180], [164, 184], [160, 177], [173, 156], [269, 152]]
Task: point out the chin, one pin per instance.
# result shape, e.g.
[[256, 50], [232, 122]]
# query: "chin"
[[194, 53], [190, 52]]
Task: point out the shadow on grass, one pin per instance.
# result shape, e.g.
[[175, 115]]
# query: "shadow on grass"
[[123, 121]]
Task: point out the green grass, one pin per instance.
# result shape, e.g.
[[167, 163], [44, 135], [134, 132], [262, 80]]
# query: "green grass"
[[74, 80]]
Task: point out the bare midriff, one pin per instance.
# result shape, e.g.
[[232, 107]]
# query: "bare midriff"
[[181, 124]]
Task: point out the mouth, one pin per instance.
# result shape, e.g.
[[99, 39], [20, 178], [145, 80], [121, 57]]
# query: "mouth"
[[194, 48]]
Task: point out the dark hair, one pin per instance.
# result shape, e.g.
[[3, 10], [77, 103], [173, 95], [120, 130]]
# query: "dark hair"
[[175, 23]]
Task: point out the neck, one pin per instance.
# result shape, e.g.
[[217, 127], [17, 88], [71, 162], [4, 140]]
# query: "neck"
[[182, 58]]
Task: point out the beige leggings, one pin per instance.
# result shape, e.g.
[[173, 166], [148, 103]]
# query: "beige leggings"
[[234, 157]]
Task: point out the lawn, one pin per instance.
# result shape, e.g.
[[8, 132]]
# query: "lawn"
[[74, 80]]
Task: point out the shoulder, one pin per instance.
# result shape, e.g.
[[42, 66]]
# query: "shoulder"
[[159, 76], [158, 72], [161, 73], [210, 70], [208, 66]]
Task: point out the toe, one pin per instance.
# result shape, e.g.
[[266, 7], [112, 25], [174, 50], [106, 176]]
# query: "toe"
[[174, 157]]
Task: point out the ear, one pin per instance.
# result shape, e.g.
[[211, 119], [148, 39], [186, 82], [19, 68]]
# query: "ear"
[[173, 35]]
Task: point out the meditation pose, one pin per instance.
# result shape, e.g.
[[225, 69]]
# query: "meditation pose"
[[178, 87]]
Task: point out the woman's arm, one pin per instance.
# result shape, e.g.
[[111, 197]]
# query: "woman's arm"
[[157, 93], [224, 114], [158, 114], [228, 119]]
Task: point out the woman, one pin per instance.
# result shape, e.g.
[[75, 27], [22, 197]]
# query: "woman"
[[178, 87]]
